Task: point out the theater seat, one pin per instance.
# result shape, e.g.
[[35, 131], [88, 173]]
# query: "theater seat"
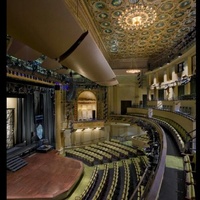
[[190, 192], [189, 178]]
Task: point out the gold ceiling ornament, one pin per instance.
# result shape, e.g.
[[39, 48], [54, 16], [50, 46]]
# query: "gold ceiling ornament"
[[137, 17]]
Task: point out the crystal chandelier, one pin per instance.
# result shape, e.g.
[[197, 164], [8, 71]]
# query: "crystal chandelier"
[[137, 17]]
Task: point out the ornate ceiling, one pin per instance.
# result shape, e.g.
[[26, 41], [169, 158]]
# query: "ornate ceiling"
[[167, 36], [106, 50]]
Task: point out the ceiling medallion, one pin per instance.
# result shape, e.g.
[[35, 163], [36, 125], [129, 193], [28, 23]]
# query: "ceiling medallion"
[[137, 17]]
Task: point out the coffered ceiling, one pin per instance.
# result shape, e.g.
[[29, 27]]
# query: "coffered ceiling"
[[85, 35], [138, 48]]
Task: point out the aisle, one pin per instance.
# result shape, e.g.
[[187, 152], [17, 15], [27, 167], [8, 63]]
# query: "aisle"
[[173, 181]]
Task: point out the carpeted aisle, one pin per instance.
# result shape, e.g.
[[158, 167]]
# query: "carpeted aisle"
[[173, 181]]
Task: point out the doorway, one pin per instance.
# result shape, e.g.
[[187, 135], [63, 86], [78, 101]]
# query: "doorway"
[[124, 106], [87, 106], [144, 101]]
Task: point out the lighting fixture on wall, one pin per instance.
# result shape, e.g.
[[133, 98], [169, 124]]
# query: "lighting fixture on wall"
[[133, 71], [137, 17]]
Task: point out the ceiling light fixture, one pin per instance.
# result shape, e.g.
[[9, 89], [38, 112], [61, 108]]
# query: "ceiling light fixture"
[[132, 71], [137, 17]]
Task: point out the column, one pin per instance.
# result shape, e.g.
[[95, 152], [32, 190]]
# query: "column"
[[58, 113], [149, 83]]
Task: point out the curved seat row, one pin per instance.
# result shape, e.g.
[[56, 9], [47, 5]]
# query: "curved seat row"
[[174, 132], [107, 150], [125, 191], [189, 179], [182, 132], [114, 140], [81, 156], [136, 162], [145, 160], [90, 153], [116, 149], [98, 151], [139, 172], [102, 184], [130, 150], [85, 194], [114, 181]]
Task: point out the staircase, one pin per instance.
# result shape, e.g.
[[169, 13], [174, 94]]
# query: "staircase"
[[15, 163]]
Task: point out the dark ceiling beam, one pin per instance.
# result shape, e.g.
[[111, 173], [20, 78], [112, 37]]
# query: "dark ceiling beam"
[[73, 47]]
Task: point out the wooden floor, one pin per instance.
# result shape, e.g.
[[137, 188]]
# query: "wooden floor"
[[46, 176]]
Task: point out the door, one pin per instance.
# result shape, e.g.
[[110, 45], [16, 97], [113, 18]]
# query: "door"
[[124, 106], [144, 100]]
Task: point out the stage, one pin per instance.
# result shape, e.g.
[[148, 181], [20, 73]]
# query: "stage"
[[46, 176]]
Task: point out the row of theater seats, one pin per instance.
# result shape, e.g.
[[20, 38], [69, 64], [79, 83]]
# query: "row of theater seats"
[[102, 184], [85, 158], [111, 194], [117, 184], [114, 154], [98, 157], [136, 162], [173, 131], [106, 156], [130, 150], [123, 153], [179, 128], [114, 140], [189, 178], [103, 151], [140, 164], [125, 192], [86, 193]]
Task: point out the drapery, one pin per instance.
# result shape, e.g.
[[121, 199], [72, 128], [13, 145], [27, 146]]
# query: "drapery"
[[27, 109]]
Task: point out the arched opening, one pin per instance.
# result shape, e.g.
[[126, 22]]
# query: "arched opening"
[[87, 106]]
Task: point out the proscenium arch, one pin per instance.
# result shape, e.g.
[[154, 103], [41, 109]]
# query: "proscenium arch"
[[86, 106]]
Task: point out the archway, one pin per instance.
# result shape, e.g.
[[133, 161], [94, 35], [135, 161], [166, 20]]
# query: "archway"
[[87, 106]]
